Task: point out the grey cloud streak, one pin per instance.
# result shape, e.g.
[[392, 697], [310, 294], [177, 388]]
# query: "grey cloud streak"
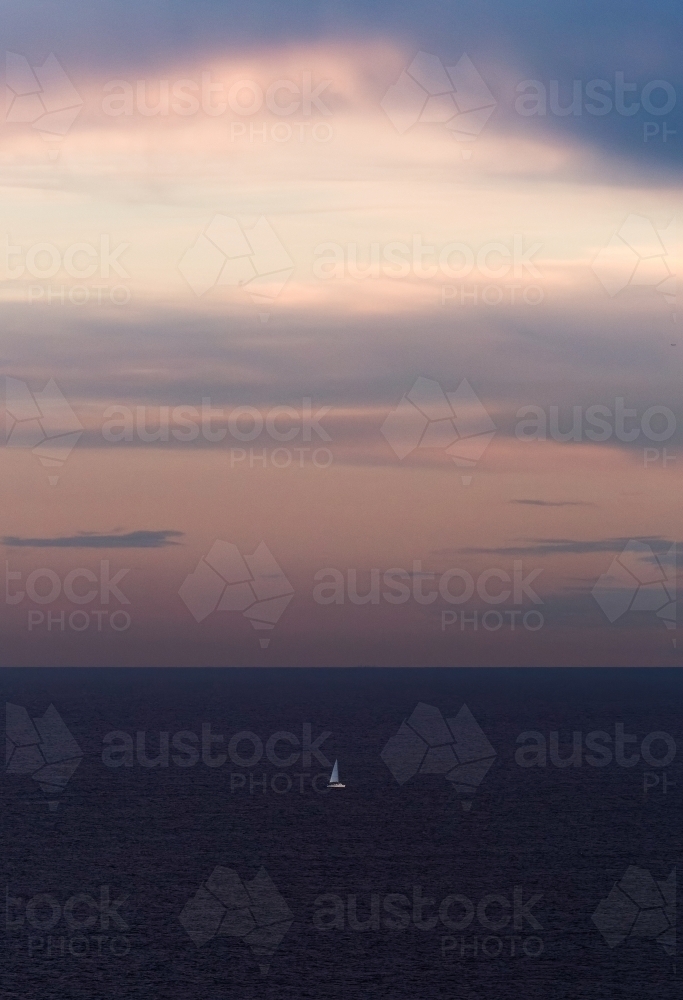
[[554, 503], [93, 540], [564, 546]]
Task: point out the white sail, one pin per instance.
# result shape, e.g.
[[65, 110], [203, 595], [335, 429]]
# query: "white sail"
[[334, 777]]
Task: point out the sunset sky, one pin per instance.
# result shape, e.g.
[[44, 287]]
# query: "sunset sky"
[[352, 289]]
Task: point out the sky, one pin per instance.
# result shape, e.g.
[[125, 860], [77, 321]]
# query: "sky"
[[339, 337]]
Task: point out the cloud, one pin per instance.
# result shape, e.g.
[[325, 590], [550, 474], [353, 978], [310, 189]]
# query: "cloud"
[[95, 540], [563, 546], [161, 40], [554, 503]]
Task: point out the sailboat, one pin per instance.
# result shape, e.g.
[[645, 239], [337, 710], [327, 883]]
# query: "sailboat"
[[334, 781]]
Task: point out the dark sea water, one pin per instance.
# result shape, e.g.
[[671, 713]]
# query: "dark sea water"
[[529, 863]]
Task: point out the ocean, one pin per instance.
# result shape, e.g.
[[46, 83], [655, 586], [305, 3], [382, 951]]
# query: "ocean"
[[502, 834]]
